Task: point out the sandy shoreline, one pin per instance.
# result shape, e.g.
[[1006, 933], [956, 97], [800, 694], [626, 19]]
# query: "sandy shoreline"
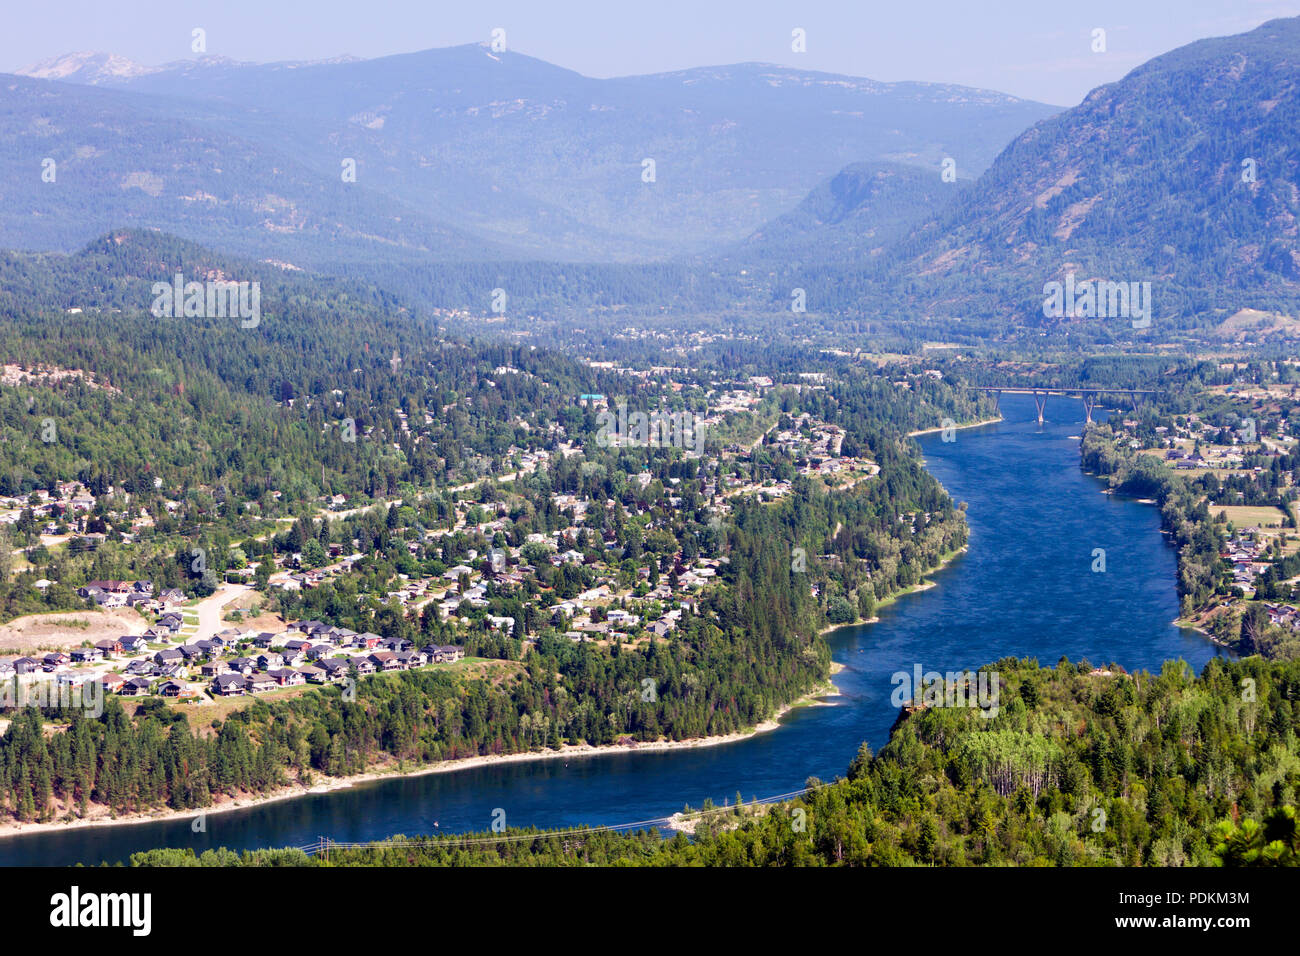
[[446, 766]]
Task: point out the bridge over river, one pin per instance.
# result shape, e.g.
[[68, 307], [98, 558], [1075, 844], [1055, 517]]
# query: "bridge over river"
[[1089, 396]]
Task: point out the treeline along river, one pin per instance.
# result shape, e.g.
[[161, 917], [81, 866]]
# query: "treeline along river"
[[1026, 587]]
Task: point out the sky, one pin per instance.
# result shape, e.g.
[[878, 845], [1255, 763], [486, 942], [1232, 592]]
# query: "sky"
[[1036, 49]]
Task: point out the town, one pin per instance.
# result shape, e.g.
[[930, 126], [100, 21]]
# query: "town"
[[459, 555]]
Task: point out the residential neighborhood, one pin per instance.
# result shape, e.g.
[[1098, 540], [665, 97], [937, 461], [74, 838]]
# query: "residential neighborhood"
[[230, 663]]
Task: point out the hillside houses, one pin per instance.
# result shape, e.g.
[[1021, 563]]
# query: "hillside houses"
[[113, 594], [230, 664]]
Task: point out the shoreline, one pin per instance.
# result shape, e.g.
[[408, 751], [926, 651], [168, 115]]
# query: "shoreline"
[[295, 791], [924, 584], [1181, 622], [1188, 625]]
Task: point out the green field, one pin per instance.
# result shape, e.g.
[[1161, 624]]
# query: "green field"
[[1243, 516]]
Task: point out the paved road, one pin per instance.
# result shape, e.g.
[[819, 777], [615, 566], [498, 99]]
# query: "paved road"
[[210, 609]]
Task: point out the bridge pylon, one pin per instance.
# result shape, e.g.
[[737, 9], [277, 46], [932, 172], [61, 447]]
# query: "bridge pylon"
[[1040, 400], [1089, 403]]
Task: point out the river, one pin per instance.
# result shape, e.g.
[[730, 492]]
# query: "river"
[[1025, 588]]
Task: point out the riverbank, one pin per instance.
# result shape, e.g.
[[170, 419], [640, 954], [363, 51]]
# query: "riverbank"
[[923, 585], [1197, 624], [101, 817]]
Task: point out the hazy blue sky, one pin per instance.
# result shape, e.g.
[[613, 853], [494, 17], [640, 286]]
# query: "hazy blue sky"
[[1039, 49]]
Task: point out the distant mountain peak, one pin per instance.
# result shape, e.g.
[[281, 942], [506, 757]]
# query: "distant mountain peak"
[[87, 66], [93, 68]]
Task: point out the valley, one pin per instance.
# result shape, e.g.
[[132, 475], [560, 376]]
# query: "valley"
[[449, 457]]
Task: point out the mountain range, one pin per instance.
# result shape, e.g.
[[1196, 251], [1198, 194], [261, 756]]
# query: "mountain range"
[[460, 153], [508, 171]]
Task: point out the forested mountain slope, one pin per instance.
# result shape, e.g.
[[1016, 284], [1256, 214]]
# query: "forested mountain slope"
[[1184, 174]]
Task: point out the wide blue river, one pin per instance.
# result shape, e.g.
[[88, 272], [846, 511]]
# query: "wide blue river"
[[1025, 588]]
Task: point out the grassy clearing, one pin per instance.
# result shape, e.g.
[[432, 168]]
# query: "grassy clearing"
[[1245, 516], [219, 708]]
